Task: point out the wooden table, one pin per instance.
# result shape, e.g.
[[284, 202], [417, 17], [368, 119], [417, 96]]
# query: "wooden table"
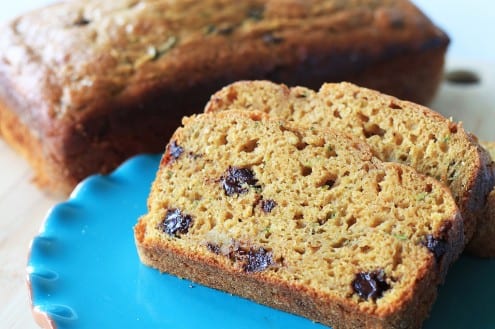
[[23, 206]]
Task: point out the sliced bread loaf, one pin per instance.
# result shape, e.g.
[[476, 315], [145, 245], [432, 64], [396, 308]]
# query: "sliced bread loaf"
[[307, 221], [396, 130]]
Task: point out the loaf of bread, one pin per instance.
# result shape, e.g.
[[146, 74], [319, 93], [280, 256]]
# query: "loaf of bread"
[[85, 84], [396, 130], [307, 221]]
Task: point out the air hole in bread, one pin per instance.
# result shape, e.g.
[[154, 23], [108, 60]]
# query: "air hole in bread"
[[314, 247], [399, 175], [298, 215], [222, 140], [379, 178], [439, 200], [350, 221], [328, 181], [249, 146], [339, 243], [300, 250], [300, 224], [301, 146], [336, 113], [370, 130], [330, 151], [398, 139], [306, 170], [365, 249], [395, 106], [376, 221], [362, 117], [444, 146]]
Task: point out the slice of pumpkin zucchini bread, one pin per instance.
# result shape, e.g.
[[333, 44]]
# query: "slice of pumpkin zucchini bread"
[[307, 221], [396, 130]]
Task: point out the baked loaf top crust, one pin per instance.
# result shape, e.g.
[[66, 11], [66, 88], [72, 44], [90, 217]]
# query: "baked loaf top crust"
[[86, 84], [70, 59], [396, 130], [310, 215]]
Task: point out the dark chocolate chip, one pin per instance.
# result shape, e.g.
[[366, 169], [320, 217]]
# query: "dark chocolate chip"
[[214, 248], [175, 222], [175, 150], [270, 38], [268, 205], [257, 260], [437, 246], [235, 178], [370, 284]]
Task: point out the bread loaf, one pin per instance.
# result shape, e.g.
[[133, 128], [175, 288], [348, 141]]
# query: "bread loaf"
[[86, 84], [396, 130], [307, 221]]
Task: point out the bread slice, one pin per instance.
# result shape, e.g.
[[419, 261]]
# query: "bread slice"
[[484, 238], [307, 221], [396, 130]]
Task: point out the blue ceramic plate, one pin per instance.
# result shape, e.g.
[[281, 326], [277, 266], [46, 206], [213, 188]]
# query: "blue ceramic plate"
[[85, 273]]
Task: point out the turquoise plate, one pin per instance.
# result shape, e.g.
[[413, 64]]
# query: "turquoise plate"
[[84, 272]]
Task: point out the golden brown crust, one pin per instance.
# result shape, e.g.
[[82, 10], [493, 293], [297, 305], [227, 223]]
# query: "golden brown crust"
[[21, 138], [96, 83], [396, 130], [301, 281]]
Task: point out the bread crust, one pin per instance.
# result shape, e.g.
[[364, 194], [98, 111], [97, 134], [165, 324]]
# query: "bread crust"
[[339, 314], [92, 99]]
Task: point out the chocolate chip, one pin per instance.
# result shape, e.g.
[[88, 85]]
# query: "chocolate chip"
[[214, 248], [250, 259], [257, 260], [370, 284], [175, 222], [437, 246], [175, 150], [234, 180], [268, 205]]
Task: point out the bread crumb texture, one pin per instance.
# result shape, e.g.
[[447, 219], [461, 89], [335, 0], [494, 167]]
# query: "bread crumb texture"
[[312, 210], [396, 130]]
